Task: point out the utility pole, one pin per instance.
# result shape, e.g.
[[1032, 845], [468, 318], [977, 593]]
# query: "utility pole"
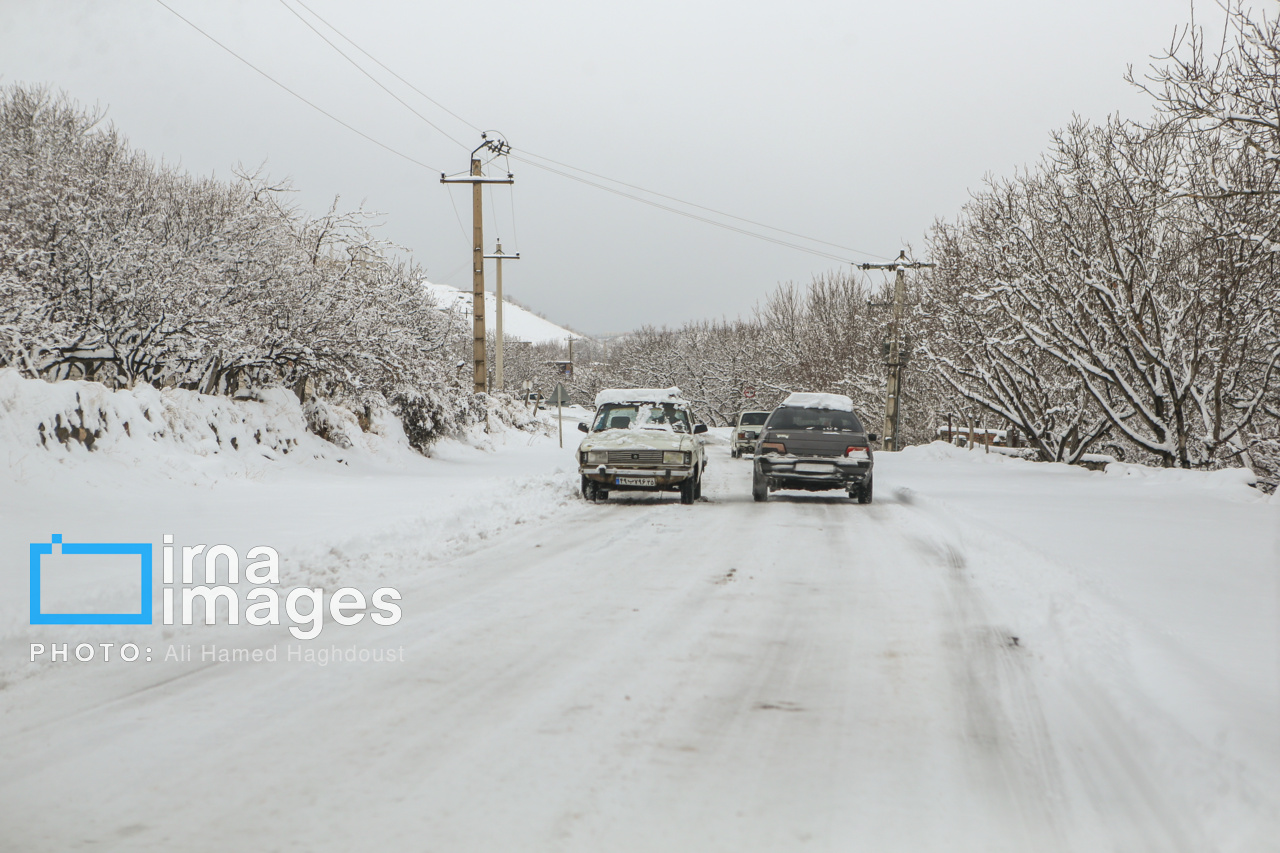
[[497, 356], [895, 358], [476, 179]]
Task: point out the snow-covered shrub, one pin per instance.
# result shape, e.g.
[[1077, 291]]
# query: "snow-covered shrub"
[[117, 269]]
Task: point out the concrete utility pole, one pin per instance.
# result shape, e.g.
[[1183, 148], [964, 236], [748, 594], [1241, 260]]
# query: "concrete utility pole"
[[497, 356], [895, 358], [476, 178]]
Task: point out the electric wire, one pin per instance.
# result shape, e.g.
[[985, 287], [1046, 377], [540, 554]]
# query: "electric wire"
[[313, 106], [462, 228], [856, 251], [375, 80], [493, 215], [378, 62], [523, 159], [818, 252], [515, 235], [671, 198]]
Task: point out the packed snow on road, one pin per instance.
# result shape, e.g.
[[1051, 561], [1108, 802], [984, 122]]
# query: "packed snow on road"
[[994, 655]]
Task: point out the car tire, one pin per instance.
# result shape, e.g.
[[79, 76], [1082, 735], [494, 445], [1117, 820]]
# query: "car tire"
[[687, 491], [697, 488], [588, 487], [864, 494], [759, 487]]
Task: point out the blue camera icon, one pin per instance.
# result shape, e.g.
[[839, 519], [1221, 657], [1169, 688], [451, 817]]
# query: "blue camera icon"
[[40, 550]]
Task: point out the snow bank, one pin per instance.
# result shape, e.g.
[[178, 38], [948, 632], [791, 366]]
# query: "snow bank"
[[1224, 479], [72, 419], [837, 402]]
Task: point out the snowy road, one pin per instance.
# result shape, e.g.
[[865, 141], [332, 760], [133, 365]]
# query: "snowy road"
[[805, 674]]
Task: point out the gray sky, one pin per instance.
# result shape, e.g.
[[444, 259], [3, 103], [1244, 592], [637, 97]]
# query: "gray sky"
[[852, 122]]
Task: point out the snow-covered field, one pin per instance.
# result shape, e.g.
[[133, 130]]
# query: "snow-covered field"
[[995, 655]]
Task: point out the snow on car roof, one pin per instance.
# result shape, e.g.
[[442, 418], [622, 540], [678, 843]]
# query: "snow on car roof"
[[803, 400], [639, 395]]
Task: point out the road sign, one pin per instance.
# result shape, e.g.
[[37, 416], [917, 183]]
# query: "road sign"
[[559, 397], [749, 393]]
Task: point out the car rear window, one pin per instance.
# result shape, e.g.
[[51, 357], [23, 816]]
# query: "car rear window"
[[754, 418], [825, 420]]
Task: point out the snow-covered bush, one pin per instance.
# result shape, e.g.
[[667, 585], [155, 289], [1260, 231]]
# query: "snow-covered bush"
[[116, 269]]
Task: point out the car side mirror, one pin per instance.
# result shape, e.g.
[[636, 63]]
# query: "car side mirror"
[[698, 429], [871, 436], [583, 427]]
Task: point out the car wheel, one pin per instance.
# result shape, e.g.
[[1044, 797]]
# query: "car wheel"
[[687, 493], [759, 487], [735, 454], [587, 488], [864, 494], [697, 488]]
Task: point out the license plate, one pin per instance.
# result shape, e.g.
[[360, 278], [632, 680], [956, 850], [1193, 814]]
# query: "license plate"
[[812, 468], [635, 481]]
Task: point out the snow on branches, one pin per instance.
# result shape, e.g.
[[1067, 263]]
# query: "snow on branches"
[[117, 269]]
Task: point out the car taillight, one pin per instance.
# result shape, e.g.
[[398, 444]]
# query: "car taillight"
[[857, 452], [742, 435], [773, 447]]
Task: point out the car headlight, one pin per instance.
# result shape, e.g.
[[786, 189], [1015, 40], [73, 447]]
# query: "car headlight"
[[675, 457], [596, 457]]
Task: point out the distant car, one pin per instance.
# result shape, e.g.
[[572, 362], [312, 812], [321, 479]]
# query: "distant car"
[[814, 442], [642, 439], [746, 431]]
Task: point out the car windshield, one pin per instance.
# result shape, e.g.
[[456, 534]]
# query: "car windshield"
[[642, 416], [754, 418], [826, 420]]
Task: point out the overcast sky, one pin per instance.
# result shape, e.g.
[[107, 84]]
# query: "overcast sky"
[[853, 122]]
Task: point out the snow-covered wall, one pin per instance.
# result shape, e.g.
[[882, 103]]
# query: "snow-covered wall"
[[73, 417]]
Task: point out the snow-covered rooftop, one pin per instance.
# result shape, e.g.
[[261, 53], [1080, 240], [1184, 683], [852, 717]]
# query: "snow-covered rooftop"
[[518, 323], [838, 402]]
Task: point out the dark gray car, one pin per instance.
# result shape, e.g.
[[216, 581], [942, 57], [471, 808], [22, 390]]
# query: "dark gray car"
[[814, 448]]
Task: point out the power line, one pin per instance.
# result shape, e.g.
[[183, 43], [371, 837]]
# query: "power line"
[[375, 80], [466, 241], [313, 106], [677, 211], [385, 68], [568, 175], [585, 171], [515, 236], [701, 207]]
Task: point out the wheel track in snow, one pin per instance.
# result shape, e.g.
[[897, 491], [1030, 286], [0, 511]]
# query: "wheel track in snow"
[[1006, 711]]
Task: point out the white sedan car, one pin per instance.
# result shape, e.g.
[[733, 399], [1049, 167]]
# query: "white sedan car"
[[642, 439]]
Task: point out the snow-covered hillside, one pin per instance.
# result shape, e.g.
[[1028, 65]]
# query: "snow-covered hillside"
[[518, 324]]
